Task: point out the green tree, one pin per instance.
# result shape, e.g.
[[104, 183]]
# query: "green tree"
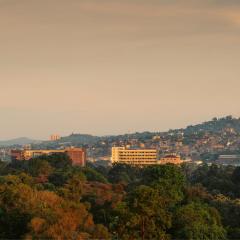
[[92, 175], [123, 173], [198, 221], [236, 175], [60, 177], [73, 189], [37, 167], [168, 180], [143, 215]]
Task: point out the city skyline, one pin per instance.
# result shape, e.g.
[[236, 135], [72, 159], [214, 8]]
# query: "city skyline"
[[116, 66]]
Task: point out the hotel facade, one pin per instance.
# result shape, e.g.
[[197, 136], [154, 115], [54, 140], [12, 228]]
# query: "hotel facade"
[[134, 156], [142, 157]]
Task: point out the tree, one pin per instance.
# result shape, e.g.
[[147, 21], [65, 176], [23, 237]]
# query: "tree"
[[167, 179], [3, 167], [198, 221], [236, 175], [122, 173], [217, 179], [43, 214], [73, 189], [230, 214], [143, 215], [13, 223], [59, 160], [92, 175], [37, 167]]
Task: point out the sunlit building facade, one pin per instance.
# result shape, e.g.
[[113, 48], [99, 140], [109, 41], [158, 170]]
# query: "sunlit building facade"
[[134, 156]]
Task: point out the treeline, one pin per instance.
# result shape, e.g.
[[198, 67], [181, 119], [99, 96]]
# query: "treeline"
[[48, 198]]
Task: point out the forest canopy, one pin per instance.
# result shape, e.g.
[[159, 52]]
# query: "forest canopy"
[[48, 198]]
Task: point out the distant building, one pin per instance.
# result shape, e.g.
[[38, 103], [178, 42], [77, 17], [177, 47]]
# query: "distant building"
[[156, 137], [199, 162], [229, 159], [77, 155], [171, 158], [27, 147], [29, 154], [134, 156], [54, 137], [17, 155]]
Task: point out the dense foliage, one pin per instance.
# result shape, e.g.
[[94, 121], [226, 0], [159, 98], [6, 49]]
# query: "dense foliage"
[[48, 198]]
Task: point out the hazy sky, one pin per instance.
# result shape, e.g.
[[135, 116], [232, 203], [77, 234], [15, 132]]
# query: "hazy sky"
[[116, 66]]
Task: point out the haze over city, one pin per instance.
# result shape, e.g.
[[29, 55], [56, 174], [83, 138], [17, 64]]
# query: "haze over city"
[[109, 67]]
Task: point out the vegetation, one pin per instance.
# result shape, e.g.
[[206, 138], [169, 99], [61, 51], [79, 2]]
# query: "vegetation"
[[48, 198]]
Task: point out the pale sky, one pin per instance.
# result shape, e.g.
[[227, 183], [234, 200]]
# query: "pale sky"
[[116, 66]]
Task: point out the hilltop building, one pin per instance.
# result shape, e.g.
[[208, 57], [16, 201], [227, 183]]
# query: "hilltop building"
[[54, 137], [77, 155], [171, 158], [134, 156]]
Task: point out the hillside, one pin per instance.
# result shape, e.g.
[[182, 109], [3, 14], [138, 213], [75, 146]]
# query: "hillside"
[[215, 126], [79, 139], [19, 141]]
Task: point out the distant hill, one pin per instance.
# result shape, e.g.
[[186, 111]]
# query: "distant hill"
[[79, 139], [215, 126], [18, 141]]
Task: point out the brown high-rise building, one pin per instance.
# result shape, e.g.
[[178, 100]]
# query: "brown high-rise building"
[[77, 155], [17, 154]]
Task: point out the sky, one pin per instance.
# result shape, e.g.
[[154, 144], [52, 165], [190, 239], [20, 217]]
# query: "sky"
[[116, 66]]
